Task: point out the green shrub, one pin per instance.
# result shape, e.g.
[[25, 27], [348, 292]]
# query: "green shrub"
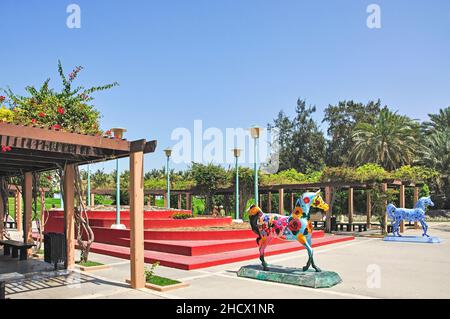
[[181, 216]]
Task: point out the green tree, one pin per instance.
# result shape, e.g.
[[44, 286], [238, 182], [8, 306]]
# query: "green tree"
[[285, 129], [67, 110], [392, 141], [209, 178], [342, 119]]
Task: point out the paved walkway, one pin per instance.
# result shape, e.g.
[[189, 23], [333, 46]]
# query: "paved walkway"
[[369, 267]]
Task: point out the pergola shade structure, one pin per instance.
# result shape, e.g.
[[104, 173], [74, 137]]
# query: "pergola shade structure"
[[35, 149]]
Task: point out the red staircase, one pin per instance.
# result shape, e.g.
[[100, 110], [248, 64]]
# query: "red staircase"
[[183, 249]]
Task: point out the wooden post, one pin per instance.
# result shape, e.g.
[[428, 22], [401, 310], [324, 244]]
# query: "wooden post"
[[385, 220], [402, 205], [42, 210], [28, 210], [165, 200], [179, 201], [292, 202], [18, 210], [415, 200], [137, 219], [69, 212], [227, 204], [329, 213], [350, 205], [188, 198], [369, 208], [269, 202], [281, 201], [260, 200], [92, 199], [2, 217]]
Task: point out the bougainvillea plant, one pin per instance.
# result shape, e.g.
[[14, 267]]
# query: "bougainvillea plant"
[[68, 110]]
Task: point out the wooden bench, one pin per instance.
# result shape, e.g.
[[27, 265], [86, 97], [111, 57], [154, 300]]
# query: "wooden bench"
[[351, 227], [10, 225], [16, 247]]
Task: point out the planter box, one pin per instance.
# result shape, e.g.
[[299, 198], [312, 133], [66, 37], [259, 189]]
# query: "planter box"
[[93, 268], [163, 288]]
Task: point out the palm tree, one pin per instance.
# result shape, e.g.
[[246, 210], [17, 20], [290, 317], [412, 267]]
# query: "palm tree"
[[391, 141], [438, 122]]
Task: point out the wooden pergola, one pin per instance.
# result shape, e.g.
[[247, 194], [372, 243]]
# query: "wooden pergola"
[[292, 189], [36, 149]]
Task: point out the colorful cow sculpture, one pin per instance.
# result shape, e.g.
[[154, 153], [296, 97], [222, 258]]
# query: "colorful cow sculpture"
[[297, 226], [417, 214]]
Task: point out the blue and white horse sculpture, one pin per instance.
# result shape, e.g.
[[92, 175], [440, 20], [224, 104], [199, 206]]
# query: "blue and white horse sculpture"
[[417, 214]]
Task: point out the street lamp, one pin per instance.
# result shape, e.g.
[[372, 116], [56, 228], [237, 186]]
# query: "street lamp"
[[168, 152], [237, 153], [255, 132], [118, 134]]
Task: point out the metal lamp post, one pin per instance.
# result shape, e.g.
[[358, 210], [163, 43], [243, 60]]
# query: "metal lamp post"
[[118, 134], [237, 153], [255, 132], [168, 152]]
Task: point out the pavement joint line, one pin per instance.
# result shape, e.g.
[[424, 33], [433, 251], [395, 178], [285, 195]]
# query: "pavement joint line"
[[330, 292], [103, 294], [356, 242]]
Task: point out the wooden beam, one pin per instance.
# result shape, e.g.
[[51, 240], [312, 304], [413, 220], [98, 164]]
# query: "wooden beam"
[[136, 191], [281, 201], [28, 209], [350, 205], [179, 201], [48, 135], [188, 201], [69, 214]]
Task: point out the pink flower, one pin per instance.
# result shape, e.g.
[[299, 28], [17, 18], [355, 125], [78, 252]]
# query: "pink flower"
[[33, 121], [56, 127], [6, 148], [60, 110], [41, 114]]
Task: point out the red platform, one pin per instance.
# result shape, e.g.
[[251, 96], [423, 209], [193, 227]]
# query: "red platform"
[[183, 249]]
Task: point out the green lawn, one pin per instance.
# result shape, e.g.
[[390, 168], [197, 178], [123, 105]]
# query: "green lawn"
[[89, 264], [161, 281], [48, 204]]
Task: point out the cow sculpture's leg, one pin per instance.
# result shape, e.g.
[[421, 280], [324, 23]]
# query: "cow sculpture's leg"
[[263, 242]]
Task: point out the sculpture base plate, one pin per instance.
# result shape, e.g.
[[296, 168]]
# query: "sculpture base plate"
[[413, 239], [291, 276]]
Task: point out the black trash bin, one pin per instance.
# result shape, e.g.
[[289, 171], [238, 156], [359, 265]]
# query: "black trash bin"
[[333, 223], [55, 248]]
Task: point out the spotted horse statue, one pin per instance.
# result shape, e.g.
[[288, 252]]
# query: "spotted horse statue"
[[417, 214], [296, 227]]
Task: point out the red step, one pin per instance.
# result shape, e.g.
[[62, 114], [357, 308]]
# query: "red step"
[[202, 261], [158, 214], [164, 222]]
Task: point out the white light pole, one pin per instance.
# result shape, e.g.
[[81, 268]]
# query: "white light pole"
[[168, 152], [255, 132], [237, 153], [118, 134]]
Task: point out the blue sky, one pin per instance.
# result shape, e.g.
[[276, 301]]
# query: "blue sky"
[[230, 63]]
